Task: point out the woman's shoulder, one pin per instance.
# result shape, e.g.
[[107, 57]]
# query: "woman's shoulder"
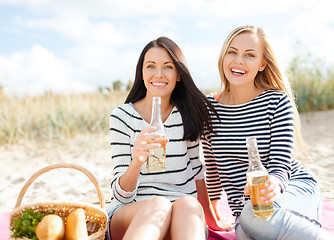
[[274, 93], [275, 99], [271, 95], [124, 111], [214, 97]]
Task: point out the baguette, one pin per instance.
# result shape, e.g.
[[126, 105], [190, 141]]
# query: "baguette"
[[76, 228]]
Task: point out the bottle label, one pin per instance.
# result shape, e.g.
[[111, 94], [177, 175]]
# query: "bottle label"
[[157, 162]]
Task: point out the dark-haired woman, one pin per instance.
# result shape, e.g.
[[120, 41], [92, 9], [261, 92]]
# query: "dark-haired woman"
[[162, 205]]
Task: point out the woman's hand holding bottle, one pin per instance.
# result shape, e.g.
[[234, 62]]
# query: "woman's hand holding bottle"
[[140, 152], [271, 192], [141, 146]]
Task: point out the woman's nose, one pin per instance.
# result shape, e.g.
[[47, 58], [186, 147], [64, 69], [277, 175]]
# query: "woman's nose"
[[239, 59], [159, 73]]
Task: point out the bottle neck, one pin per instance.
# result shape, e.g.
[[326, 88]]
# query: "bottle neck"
[[254, 159], [156, 119], [156, 113]]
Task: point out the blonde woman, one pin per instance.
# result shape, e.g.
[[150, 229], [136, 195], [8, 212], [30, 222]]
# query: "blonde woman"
[[257, 101]]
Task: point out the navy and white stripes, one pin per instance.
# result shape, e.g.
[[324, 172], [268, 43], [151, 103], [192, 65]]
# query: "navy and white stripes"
[[182, 159], [269, 118]]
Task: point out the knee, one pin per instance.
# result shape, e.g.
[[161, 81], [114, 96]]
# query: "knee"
[[247, 218], [247, 213], [155, 204], [258, 227], [187, 201], [188, 204]]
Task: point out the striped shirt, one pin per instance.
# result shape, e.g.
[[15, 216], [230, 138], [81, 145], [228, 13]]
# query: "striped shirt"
[[268, 117], [183, 166]]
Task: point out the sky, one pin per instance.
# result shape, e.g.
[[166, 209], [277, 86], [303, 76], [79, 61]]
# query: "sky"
[[81, 45]]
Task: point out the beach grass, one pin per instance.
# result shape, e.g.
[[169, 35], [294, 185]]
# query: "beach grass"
[[57, 116], [313, 85], [52, 115]]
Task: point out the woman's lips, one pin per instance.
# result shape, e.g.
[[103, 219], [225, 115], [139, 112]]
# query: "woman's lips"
[[238, 71], [159, 84]]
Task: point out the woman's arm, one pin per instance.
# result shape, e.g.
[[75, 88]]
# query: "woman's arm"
[[281, 142], [281, 148], [197, 166], [210, 216], [126, 162], [128, 181], [214, 185]]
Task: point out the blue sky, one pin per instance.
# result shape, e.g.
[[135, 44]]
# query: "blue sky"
[[79, 45]]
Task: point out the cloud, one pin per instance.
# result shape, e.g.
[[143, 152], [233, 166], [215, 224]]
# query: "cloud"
[[203, 64], [135, 8], [35, 71], [310, 31], [97, 42], [79, 29]]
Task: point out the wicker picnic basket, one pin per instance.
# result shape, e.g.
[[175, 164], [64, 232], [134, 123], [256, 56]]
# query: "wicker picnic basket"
[[96, 217]]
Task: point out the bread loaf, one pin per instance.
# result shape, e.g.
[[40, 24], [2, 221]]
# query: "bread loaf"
[[76, 228], [51, 227]]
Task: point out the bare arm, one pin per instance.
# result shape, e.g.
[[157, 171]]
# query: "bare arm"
[[210, 216]]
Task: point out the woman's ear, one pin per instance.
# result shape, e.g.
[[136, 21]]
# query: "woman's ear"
[[263, 66], [178, 78]]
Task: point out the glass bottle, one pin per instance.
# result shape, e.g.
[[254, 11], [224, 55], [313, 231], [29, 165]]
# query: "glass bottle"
[[257, 175], [157, 162]]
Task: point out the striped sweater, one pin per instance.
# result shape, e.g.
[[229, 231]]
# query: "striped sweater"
[[268, 117], [182, 159]]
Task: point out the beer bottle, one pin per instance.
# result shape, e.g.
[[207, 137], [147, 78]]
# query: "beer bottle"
[[257, 175], [157, 162]]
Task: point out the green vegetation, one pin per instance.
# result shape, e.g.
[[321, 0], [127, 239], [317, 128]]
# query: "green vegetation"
[[313, 85], [52, 115], [25, 226]]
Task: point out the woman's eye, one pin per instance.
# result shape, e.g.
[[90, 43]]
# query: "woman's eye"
[[169, 67], [250, 55], [150, 66], [231, 52]]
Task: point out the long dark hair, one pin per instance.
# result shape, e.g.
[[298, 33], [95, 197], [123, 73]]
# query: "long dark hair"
[[193, 105]]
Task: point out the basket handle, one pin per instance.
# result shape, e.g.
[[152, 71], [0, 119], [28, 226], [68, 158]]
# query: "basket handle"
[[61, 165]]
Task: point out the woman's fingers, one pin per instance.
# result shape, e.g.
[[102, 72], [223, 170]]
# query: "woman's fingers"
[[272, 190], [246, 190], [143, 148], [226, 224], [143, 143], [144, 136]]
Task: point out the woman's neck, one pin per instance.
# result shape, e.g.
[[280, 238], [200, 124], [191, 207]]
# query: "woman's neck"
[[239, 95], [144, 108]]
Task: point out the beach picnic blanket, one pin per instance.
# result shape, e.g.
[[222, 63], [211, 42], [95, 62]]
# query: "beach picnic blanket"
[[327, 221]]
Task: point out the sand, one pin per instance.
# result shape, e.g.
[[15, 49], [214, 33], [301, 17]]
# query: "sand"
[[20, 161]]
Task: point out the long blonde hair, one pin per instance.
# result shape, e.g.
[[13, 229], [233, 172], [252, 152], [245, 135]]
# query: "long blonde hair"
[[271, 78]]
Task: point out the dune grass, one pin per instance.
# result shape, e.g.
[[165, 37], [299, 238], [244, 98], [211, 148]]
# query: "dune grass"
[[57, 116], [313, 85], [53, 115]]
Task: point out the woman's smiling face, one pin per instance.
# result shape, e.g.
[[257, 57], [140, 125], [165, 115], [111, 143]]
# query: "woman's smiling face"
[[243, 59], [159, 73]]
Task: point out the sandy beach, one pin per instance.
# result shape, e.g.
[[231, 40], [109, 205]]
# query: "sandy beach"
[[20, 161]]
